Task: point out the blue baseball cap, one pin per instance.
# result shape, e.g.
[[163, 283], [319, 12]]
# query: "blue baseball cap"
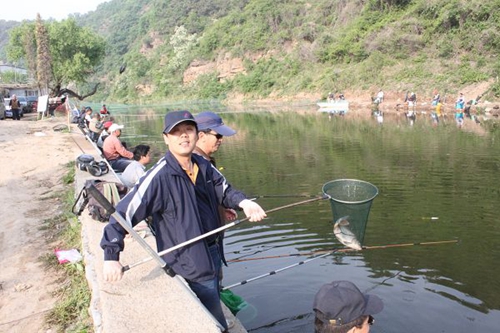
[[211, 121], [174, 118]]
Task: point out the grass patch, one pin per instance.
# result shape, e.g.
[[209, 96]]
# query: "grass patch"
[[70, 313]]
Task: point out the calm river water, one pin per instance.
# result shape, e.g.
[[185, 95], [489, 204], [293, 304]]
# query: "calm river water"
[[420, 171]]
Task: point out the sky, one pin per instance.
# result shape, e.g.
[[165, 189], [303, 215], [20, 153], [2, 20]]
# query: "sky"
[[57, 9]]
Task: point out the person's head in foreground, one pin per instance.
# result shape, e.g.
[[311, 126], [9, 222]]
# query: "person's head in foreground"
[[180, 133], [340, 307]]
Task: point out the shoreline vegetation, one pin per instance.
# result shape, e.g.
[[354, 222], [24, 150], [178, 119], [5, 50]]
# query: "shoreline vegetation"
[[70, 312]]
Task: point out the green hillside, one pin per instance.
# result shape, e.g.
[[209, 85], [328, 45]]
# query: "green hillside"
[[207, 49]]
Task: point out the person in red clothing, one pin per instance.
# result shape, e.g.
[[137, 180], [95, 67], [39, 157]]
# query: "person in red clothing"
[[104, 110], [114, 151]]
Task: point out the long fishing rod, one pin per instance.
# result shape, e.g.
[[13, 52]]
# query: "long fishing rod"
[[274, 272], [302, 254], [278, 270], [254, 197], [215, 231]]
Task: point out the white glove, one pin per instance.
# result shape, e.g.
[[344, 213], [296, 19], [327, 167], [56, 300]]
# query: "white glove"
[[252, 210]]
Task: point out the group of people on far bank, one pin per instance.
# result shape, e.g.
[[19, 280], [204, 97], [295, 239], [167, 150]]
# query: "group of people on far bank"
[[461, 107], [187, 183]]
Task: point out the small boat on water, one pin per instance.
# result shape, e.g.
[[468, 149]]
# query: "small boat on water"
[[339, 106]]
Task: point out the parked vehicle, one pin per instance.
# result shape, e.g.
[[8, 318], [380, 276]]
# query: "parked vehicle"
[[32, 104], [2, 108], [23, 101]]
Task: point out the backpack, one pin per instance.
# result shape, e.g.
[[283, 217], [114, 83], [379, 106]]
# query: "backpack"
[[87, 163], [114, 192]]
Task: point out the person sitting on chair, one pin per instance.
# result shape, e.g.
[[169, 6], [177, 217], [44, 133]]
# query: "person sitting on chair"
[[340, 307], [95, 127], [114, 151]]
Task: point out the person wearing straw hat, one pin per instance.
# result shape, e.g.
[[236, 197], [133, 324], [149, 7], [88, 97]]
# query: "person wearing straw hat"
[[340, 307], [182, 192]]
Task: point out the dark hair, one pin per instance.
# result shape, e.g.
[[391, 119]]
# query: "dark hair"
[[321, 326], [140, 151]]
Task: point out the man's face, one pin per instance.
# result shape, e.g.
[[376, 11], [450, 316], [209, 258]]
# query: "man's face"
[[145, 159], [210, 142], [182, 139]]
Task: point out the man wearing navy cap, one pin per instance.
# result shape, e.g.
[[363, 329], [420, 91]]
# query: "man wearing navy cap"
[[211, 134], [182, 193], [340, 307]]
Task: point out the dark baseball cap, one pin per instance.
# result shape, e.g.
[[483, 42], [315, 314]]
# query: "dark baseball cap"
[[211, 121], [174, 118], [341, 302]]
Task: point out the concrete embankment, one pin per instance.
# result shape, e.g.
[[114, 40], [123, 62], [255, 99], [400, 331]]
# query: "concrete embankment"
[[146, 299]]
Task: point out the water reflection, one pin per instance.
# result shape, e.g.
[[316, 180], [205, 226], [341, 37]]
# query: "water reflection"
[[420, 171]]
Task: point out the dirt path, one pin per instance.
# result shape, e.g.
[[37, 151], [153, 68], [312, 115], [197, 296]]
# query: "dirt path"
[[32, 163]]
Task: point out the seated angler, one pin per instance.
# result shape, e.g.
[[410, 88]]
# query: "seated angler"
[[95, 127], [114, 151], [137, 168]]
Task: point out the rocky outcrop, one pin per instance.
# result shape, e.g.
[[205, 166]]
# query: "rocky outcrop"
[[225, 67]]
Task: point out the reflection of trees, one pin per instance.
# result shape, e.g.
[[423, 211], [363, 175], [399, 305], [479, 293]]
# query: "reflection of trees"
[[419, 172]]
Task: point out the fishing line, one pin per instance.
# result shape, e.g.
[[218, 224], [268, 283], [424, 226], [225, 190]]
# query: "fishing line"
[[381, 283], [248, 254]]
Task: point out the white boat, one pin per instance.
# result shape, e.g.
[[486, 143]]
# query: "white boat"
[[340, 106]]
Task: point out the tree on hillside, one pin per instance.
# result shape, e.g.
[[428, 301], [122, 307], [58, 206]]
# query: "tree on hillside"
[[67, 55]]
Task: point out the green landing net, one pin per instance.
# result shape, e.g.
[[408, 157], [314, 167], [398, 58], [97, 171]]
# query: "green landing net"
[[353, 198], [234, 302]]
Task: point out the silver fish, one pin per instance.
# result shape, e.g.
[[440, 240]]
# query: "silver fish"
[[344, 234]]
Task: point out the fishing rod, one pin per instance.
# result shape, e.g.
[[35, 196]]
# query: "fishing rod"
[[329, 252], [215, 231], [374, 247], [254, 197], [278, 270]]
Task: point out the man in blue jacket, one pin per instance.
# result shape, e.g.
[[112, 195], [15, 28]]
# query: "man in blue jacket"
[[182, 193]]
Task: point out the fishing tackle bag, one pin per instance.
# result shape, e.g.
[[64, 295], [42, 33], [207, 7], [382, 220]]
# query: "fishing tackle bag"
[[112, 191], [87, 163]]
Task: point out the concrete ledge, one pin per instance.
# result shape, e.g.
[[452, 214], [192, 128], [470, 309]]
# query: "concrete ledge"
[[146, 299]]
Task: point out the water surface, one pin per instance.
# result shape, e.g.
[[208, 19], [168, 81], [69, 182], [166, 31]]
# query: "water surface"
[[420, 171]]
